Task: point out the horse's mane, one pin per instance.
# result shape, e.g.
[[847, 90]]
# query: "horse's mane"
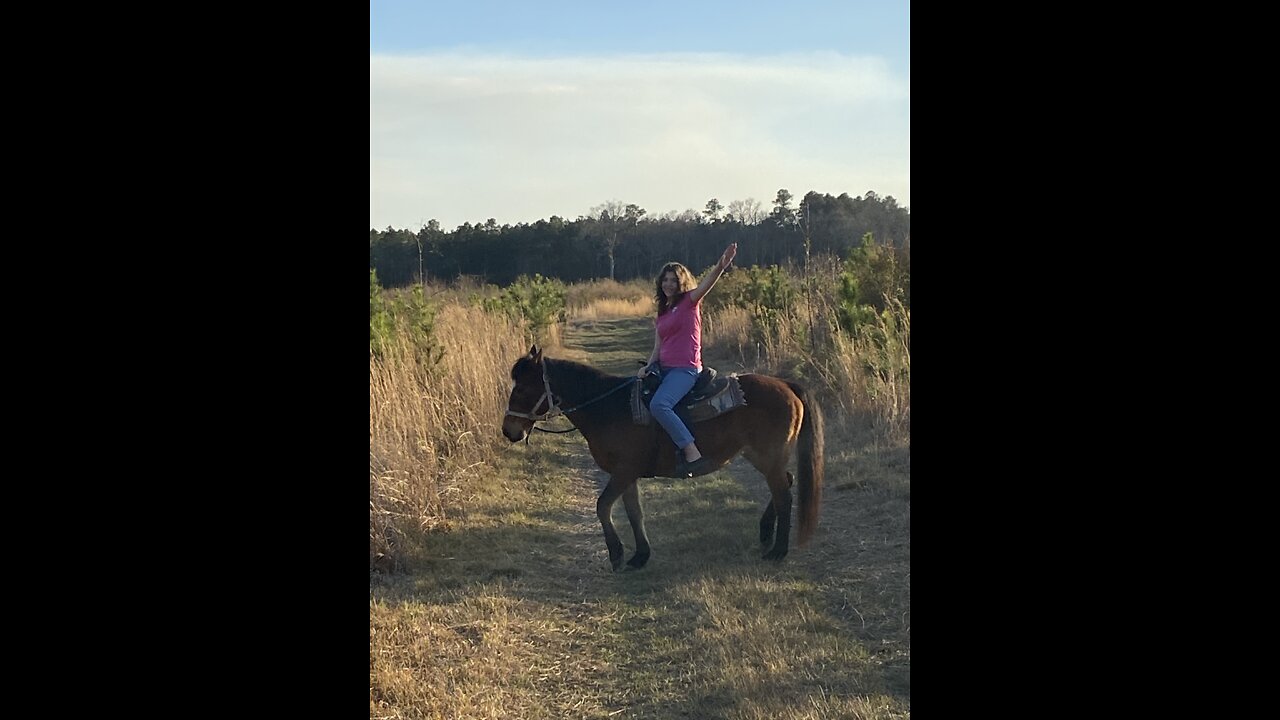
[[568, 371], [579, 384], [579, 374]]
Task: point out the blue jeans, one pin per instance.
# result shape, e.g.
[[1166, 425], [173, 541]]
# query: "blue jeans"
[[676, 382]]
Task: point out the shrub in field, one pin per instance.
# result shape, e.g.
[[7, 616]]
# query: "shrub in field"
[[753, 287], [768, 294], [851, 314], [872, 280], [407, 317], [874, 313], [538, 301]]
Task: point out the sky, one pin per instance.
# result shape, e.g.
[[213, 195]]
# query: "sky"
[[520, 111]]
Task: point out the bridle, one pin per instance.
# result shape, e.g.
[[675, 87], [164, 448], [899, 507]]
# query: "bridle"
[[553, 408]]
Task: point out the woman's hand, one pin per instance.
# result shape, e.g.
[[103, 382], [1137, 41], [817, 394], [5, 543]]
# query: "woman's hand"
[[727, 258], [643, 371]]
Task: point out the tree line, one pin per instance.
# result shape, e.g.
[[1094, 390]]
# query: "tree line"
[[620, 241]]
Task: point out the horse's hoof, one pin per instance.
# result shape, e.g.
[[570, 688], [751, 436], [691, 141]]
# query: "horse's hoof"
[[637, 561], [775, 555]]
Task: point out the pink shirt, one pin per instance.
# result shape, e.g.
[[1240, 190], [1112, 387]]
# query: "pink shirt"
[[680, 335]]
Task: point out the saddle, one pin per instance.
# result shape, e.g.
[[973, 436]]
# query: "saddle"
[[712, 394]]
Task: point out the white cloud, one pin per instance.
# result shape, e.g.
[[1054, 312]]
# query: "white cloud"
[[467, 137]]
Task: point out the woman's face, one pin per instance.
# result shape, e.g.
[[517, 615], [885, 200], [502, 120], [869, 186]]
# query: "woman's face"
[[670, 284]]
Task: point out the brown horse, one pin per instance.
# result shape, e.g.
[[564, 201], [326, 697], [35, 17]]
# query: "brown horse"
[[777, 417]]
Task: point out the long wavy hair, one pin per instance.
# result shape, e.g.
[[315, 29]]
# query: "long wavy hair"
[[687, 283]]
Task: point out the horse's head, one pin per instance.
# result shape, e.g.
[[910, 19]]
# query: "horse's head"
[[528, 396]]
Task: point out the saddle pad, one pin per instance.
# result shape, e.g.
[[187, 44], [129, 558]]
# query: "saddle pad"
[[726, 395]]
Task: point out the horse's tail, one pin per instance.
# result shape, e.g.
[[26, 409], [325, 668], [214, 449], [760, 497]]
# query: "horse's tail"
[[809, 464]]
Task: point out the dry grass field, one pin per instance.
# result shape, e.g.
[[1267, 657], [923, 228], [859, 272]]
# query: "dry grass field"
[[493, 597]]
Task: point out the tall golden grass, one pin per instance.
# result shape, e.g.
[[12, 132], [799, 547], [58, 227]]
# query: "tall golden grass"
[[863, 379], [607, 299], [727, 331], [432, 426], [610, 308], [879, 373]]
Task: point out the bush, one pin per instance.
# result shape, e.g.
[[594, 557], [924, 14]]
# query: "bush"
[[768, 294], [411, 316], [871, 282], [538, 301]]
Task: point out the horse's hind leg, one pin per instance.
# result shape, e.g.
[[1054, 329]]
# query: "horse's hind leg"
[[767, 523], [780, 487], [769, 520], [604, 510], [777, 514], [635, 515]]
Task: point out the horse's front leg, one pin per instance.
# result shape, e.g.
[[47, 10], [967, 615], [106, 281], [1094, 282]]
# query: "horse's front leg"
[[604, 510], [635, 514]]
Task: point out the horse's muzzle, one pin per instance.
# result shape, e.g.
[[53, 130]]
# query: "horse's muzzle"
[[513, 429]]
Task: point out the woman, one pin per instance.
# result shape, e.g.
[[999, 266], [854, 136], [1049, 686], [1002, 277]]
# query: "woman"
[[677, 347]]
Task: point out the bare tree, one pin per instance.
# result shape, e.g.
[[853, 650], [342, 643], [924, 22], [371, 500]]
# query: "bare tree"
[[746, 212], [609, 220]]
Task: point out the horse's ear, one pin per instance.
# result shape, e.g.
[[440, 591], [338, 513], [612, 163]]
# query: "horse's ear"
[[535, 353]]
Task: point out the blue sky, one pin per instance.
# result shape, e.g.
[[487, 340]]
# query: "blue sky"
[[523, 110]]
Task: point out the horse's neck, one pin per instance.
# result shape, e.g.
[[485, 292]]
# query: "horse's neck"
[[576, 384]]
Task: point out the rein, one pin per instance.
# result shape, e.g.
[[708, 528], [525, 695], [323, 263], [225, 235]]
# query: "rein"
[[553, 409]]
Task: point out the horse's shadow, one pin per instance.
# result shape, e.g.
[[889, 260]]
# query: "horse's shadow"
[[700, 527]]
